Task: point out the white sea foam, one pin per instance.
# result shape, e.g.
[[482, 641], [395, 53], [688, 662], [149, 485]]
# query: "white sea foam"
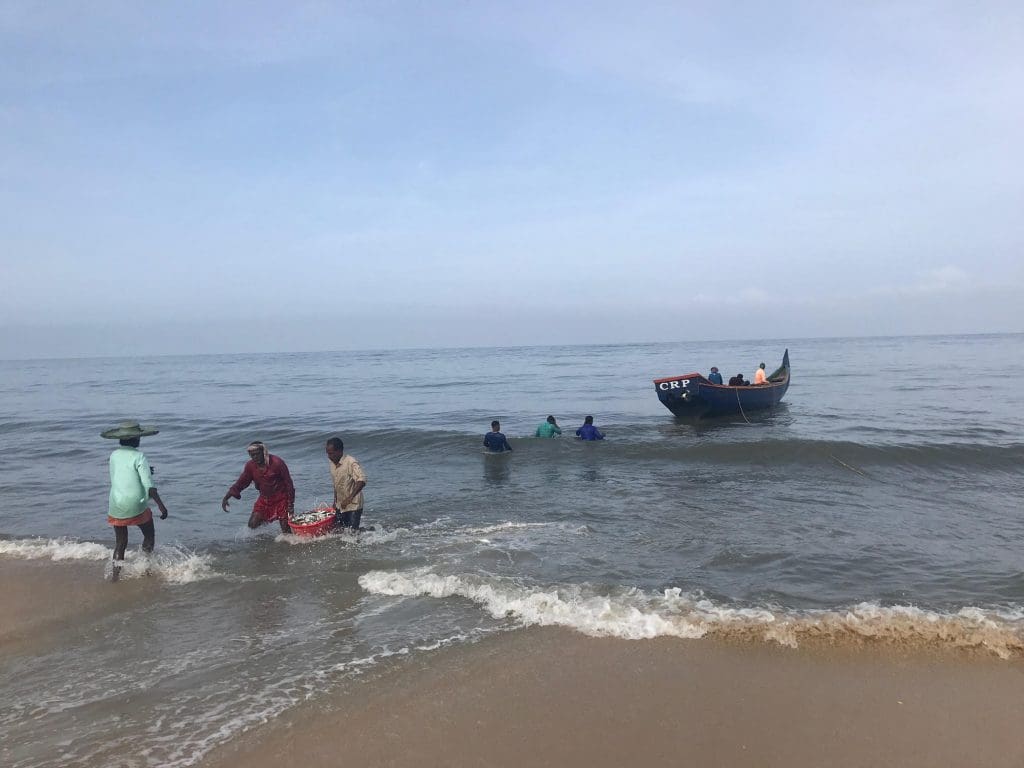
[[506, 526], [381, 536], [174, 565], [169, 563], [53, 549], [567, 606], [365, 538], [305, 541], [634, 614], [175, 749]]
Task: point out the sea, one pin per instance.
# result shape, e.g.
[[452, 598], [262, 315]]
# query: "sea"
[[879, 502]]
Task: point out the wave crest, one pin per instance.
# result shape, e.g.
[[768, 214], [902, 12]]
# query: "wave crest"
[[635, 615], [53, 549], [174, 565]]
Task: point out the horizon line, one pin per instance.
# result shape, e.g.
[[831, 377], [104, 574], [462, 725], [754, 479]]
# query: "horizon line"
[[370, 350]]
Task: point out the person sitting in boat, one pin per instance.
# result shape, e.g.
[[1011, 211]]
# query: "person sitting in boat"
[[549, 428], [494, 441], [715, 377], [588, 431], [760, 377], [738, 381]]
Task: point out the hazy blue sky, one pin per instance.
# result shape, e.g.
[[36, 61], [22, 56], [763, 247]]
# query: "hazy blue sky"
[[211, 176]]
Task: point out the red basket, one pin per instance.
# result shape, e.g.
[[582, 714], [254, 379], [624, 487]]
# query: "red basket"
[[314, 529]]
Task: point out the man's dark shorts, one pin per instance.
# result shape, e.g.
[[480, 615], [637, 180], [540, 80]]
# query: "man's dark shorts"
[[348, 519]]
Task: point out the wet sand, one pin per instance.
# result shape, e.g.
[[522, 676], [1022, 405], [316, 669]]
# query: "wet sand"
[[41, 597], [547, 697], [551, 697]]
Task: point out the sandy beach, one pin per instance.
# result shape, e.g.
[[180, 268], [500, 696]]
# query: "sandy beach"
[[554, 697], [544, 697], [40, 597]]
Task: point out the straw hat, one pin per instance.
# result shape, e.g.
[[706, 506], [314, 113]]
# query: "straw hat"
[[128, 429]]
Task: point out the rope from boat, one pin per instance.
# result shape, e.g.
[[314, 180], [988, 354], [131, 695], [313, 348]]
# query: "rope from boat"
[[741, 406], [852, 469]]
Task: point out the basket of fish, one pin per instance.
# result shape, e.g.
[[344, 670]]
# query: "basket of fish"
[[316, 522]]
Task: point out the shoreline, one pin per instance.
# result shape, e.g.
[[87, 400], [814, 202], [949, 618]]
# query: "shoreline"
[[542, 696], [545, 696]]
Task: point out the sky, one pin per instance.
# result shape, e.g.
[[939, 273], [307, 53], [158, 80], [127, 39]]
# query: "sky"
[[216, 177]]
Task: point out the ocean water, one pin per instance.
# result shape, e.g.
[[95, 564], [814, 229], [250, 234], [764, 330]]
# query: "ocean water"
[[881, 500]]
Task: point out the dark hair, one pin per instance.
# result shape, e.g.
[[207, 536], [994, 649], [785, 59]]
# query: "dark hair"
[[588, 420], [130, 442], [336, 444], [551, 419], [495, 424]]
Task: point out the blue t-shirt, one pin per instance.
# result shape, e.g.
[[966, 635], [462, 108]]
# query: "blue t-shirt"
[[495, 441], [715, 377], [589, 432]]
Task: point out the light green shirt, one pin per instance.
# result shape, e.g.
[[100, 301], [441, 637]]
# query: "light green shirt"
[[130, 481], [547, 430]]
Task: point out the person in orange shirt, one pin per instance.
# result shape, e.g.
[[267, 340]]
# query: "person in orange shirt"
[[761, 377]]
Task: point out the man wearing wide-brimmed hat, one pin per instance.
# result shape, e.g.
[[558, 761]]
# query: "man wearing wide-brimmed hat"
[[131, 488]]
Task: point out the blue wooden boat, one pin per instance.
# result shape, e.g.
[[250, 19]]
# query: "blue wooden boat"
[[692, 396]]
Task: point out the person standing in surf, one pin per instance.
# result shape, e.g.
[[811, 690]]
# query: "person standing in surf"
[[588, 431], [131, 488], [349, 480], [549, 428], [271, 477], [495, 441]]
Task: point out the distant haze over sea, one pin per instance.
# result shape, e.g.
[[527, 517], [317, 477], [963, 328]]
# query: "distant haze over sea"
[[259, 329]]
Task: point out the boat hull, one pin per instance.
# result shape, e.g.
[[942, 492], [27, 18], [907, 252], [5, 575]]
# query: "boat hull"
[[692, 396]]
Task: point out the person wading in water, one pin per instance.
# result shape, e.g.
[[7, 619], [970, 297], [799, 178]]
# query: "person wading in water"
[[131, 488], [271, 477]]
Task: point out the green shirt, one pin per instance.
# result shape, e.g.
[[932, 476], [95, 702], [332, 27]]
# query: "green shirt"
[[130, 482], [547, 430]]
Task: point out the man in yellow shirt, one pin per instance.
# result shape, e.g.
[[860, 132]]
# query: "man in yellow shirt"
[[349, 481]]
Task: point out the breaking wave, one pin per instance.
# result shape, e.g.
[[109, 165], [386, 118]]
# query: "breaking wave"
[[171, 564], [634, 615], [53, 549]]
